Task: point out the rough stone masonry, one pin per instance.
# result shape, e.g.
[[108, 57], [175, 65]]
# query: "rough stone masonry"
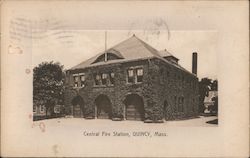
[[132, 81]]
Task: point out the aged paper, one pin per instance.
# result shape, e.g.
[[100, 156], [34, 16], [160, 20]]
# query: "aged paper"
[[71, 32]]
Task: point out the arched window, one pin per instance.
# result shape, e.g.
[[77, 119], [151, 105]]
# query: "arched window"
[[106, 57]]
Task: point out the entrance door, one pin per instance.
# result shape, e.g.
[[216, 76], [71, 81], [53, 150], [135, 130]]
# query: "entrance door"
[[77, 110], [78, 104], [134, 107], [103, 107]]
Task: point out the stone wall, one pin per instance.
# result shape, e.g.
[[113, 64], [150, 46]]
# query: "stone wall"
[[160, 84]]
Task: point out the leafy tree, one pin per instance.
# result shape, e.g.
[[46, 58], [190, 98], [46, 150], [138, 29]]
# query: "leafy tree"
[[214, 108], [48, 86], [214, 85], [204, 88]]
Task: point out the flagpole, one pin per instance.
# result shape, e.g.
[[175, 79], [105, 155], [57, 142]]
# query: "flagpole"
[[105, 54]]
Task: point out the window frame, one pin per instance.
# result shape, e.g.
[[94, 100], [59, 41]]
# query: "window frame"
[[134, 78], [42, 107], [104, 79], [34, 109], [130, 77], [82, 83], [78, 83], [112, 77], [76, 80], [101, 79]]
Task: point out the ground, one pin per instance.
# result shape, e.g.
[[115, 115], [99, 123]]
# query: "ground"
[[97, 123], [77, 137]]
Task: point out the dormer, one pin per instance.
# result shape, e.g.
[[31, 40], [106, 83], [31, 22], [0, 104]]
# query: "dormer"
[[168, 56], [108, 55]]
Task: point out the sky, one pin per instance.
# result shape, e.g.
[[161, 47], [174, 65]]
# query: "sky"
[[71, 32], [77, 46]]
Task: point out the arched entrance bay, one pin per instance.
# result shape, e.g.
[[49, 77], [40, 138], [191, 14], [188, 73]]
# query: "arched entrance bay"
[[134, 107], [78, 106], [103, 107]]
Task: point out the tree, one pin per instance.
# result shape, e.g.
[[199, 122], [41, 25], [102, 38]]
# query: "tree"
[[214, 108], [214, 85], [48, 85], [204, 88]]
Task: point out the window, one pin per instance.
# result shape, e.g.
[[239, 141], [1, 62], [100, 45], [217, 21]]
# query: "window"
[[98, 79], [104, 79], [82, 80], [42, 109], [79, 80], [139, 75], [75, 81], [112, 77], [57, 109], [34, 108], [130, 76], [135, 75]]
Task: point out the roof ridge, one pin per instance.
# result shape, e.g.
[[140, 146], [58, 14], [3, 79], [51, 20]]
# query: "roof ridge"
[[148, 46], [120, 43], [102, 52]]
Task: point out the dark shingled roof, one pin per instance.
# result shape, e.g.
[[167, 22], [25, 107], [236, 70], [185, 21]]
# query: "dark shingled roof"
[[129, 50]]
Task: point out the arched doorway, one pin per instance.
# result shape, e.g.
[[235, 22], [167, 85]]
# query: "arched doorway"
[[78, 106], [134, 107], [103, 107]]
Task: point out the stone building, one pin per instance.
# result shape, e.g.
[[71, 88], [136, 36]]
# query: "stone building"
[[132, 81]]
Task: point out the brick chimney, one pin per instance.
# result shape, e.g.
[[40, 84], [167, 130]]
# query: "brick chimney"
[[194, 63]]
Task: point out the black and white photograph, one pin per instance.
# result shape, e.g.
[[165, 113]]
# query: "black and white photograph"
[[130, 80], [124, 78]]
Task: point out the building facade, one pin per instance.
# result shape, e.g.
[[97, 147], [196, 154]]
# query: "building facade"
[[132, 81]]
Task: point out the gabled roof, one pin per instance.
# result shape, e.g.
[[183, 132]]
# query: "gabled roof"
[[129, 50]]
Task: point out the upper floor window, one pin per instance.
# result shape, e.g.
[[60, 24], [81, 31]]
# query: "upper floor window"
[[112, 78], [76, 81], [104, 79], [139, 75], [130, 76], [79, 80], [98, 79], [82, 80], [134, 75]]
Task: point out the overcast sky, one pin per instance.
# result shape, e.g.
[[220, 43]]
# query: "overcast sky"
[[77, 46]]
